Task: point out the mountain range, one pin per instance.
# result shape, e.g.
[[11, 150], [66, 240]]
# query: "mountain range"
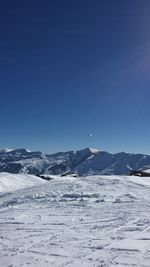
[[84, 162]]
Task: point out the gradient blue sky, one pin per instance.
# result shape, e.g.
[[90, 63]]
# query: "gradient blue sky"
[[70, 68]]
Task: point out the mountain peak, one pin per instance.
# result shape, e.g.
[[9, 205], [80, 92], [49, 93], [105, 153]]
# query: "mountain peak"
[[94, 151], [88, 150], [86, 161], [5, 150]]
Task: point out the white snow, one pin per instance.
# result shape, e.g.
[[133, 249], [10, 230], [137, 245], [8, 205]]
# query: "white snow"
[[5, 150], [94, 151], [140, 180], [96, 221], [147, 171], [11, 182], [29, 151]]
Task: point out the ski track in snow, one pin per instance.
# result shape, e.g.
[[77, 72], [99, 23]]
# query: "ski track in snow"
[[96, 221]]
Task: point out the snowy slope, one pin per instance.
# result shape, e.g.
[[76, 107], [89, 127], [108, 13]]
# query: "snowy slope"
[[12, 182], [95, 221]]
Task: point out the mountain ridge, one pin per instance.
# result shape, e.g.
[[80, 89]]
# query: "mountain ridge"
[[87, 161]]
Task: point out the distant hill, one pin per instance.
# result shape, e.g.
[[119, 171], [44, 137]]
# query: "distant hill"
[[83, 162]]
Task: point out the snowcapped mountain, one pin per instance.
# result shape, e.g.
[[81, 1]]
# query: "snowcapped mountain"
[[84, 162], [5, 150]]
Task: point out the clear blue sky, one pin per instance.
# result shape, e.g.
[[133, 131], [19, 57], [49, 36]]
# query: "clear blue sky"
[[70, 68]]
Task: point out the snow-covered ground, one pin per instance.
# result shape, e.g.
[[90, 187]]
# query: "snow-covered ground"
[[72, 222], [11, 182]]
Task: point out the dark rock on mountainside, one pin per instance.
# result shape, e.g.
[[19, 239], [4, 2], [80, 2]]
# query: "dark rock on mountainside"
[[83, 162]]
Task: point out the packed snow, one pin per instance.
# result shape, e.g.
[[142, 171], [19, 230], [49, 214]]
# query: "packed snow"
[[90, 221], [11, 182]]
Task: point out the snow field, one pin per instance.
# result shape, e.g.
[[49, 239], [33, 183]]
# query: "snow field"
[[97, 221]]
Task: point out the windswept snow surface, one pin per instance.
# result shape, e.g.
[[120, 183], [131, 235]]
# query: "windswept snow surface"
[[11, 182], [97, 221]]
